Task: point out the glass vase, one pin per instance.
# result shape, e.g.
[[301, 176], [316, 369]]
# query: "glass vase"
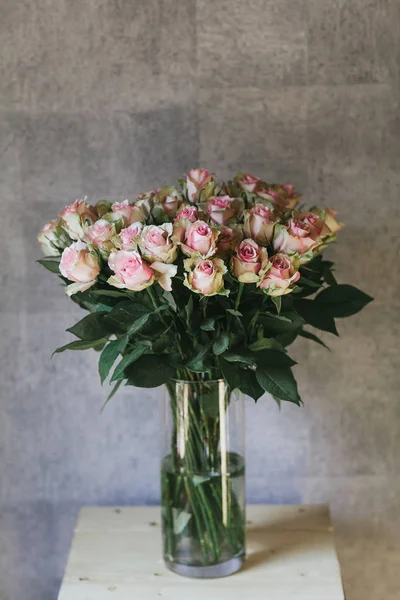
[[203, 479]]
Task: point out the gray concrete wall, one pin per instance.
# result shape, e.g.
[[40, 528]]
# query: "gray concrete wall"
[[109, 98]]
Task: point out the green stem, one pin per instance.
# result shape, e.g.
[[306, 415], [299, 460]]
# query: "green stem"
[[239, 295]]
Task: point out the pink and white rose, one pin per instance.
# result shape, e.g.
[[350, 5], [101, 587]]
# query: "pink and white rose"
[[128, 237], [196, 181], [77, 217], [163, 273], [248, 261], [156, 245], [300, 237], [199, 239], [283, 196], [130, 271], [248, 182], [166, 204], [79, 264], [100, 234], [279, 277], [223, 208], [205, 276], [259, 223], [126, 213], [53, 239], [187, 213]]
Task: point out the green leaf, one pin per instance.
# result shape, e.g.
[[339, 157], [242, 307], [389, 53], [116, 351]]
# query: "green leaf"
[[277, 300], [137, 351], [249, 384], [231, 373], [310, 336], [149, 371], [196, 363], [234, 312], [138, 324], [315, 316], [123, 315], [111, 394], [111, 293], [51, 265], [221, 343], [273, 357], [189, 310], [342, 300], [80, 345], [245, 356], [90, 327], [327, 273], [208, 325], [265, 344], [110, 355], [279, 382]]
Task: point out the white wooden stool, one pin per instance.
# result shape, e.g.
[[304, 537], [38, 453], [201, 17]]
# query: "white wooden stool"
[[116, 555]]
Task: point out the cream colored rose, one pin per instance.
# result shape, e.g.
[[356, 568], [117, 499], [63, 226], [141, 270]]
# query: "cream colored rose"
[[259, 223], [205, 276], [279, 276], [156, 245], [53, 239], [81, 265], [247, 261], [77, 217]]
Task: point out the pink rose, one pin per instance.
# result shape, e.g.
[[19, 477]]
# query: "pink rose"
[[280, 275], [228, 238], [248, 261], [205, 276], [145, 202], [99, 235], [131, 272], [259, 223], [77, 217], [283, 196], [298, 237], [199, 238], [127, 213], [188, 213], [156, 245], [128, 237], [196, 180], [223, 208], [247, 182], [80, 264]]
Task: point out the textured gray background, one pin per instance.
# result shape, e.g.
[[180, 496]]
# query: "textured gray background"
[[112, 97]]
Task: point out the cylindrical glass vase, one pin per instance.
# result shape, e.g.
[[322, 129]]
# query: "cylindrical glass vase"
[[203, 479]]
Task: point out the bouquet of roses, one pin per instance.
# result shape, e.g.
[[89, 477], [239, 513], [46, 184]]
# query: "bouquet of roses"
[[202, 281]]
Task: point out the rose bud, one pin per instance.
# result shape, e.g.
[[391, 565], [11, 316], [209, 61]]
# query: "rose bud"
[[279, 276], [330, 221], [53, 239], [156, 245], [99, 235], [198, 180], [131, 272], [77, 217], [282, 196], [199, 239], [248, 261], [259, 223], [102, 207], [188, 213], [228, 239], [205, 276], [80, 264], [166, 204], [145, 202]]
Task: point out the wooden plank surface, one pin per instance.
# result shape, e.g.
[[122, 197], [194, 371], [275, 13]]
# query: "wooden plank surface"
[[116, 555]]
